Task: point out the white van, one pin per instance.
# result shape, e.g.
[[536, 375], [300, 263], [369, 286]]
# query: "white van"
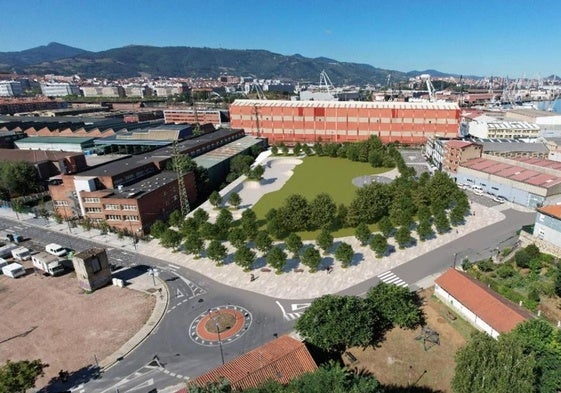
[[55, 249], [13, 270], [21, 254]]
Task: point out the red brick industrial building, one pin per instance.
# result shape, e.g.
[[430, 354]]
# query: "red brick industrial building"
[[349, 121]]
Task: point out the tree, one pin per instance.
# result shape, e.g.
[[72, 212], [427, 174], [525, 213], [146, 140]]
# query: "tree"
[[297, 149], [222, 386], [294, 215], [215, 199], [307, 150], [311, 258], [158, 228], [385, 226], [276, 257], [249, 223], [489, 365], [557, 281], [284, 149], [403, 236], [441, 222], [216, 251], [200, 216], [244, 257], [234, 200], [294, 244], [522, 258], [176, 219], [17, 178], [18, 377], [263, 241], [170, 238], [223, 223], [344, 254], [379, 244], [274, 150], [325, 240], [398, 305], [362, 234], [334, 323], [194, 244], [424, 229], [207, 230], [322, 211], [237, 237], [370, 204], [256, 173], [457, 215]]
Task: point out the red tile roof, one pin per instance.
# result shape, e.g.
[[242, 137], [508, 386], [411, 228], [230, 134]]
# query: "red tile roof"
[[458, 144], [498, 312], [551, 210], [282, 359]]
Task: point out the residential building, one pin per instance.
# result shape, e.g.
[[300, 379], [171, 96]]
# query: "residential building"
[[103, 91], [482, 307], [554, 147], [548, 224], [333, 121], [281, 360], [457, 152], [485, 126], [513, 148], [60, 89], [10, 89]]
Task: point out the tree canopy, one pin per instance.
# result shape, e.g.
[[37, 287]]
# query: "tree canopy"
[[18, 377]]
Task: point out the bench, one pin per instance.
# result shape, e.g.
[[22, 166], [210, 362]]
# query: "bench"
[[350, 357], [298, 270], [265, 270]]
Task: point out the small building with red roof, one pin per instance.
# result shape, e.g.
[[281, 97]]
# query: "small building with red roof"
[[485, 309], [282, 360]]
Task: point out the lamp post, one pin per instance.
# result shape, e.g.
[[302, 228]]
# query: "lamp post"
[[218, 334], [454, 264], [153, 272]]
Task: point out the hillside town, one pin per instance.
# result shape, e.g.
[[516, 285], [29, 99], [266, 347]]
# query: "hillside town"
[[242, 233]]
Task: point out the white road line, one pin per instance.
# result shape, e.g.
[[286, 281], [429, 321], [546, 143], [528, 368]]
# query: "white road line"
[[388, 273], [173, 266], [391, 278]]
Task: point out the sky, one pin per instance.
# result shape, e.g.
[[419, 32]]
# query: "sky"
[[514, 38]]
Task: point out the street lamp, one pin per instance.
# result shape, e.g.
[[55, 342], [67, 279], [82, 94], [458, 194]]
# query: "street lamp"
[[153, 272], [218, 333]]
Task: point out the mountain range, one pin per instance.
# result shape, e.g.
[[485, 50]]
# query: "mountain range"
[[138, 60]]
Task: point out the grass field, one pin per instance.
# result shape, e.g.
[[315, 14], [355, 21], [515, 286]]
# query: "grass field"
[[316, 175]]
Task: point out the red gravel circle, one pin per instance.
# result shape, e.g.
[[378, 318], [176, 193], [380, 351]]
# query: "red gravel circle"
[[204, 334]]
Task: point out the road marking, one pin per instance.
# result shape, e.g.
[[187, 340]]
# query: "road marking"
[[178, 293], [290, 316], [173, 266], [145, 384], [391, 278], [296, 307]]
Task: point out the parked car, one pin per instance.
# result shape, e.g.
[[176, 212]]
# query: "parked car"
[[55, 249], [499, 199]]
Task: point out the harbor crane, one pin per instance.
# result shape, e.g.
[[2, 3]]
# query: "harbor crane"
[[325, 82]]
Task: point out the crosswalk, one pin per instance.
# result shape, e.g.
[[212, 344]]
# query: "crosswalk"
[[391, 278], [297, 309]]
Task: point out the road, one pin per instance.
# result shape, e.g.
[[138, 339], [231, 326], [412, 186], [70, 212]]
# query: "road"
[[179, 357]]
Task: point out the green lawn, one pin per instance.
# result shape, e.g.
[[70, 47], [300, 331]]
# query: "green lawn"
[[316, 175]]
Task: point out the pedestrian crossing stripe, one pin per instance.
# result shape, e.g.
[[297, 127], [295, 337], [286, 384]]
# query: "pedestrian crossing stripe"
[[390, 278]]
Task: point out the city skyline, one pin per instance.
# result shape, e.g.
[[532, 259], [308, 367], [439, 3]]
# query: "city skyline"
[[483, 38]]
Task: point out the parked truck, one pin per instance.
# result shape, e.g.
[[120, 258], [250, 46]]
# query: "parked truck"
[[13, 270], [21, 254], [47, 263]]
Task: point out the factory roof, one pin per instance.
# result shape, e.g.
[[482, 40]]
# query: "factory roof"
[[35, 156], [210, 159], [532, 112], [510, 145], [144, 186], [54, 139], [512, 125], [512, 172], [540, 162], [347, 104], [551, 210]]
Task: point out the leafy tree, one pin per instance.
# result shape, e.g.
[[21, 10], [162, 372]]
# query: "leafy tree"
[[18, 377], [441, 222], [297, 149], [244, 257], [370, 204], [194, 244], [176, 219], [223, 223], [170, 238], [256, 173], [533, 251], [557, 281], [294, 215], [362, 233], [249, 223], [457, 215], [215, 199], [234, 200], [188, 226], [338, 322], [311, 258], [222, 386], [284, 149], [216, 251], [344, 254], [276, 257], [17, 178], [385, 226], [341, 217], [398, 305], [200, 216], [522, 258], [237, 237], [158, 228], [275, 228], [402, 209], [207, 230], [307, 150], [322, 211], [294, 244], [274, 150], [489, 365], [379, 244], [424, 230], [263, 241], [240, 165], [325, 240], [403, 236]]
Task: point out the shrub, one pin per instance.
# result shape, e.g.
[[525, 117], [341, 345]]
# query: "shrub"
[[486, 265], [505, 271], [534, 295], [533, 251], [522, 258], [536, 265]]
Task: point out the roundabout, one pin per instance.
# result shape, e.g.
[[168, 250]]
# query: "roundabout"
[[220, 325]]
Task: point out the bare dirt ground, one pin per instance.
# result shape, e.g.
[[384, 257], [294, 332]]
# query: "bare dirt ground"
[[402, 360], [52, 319]]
